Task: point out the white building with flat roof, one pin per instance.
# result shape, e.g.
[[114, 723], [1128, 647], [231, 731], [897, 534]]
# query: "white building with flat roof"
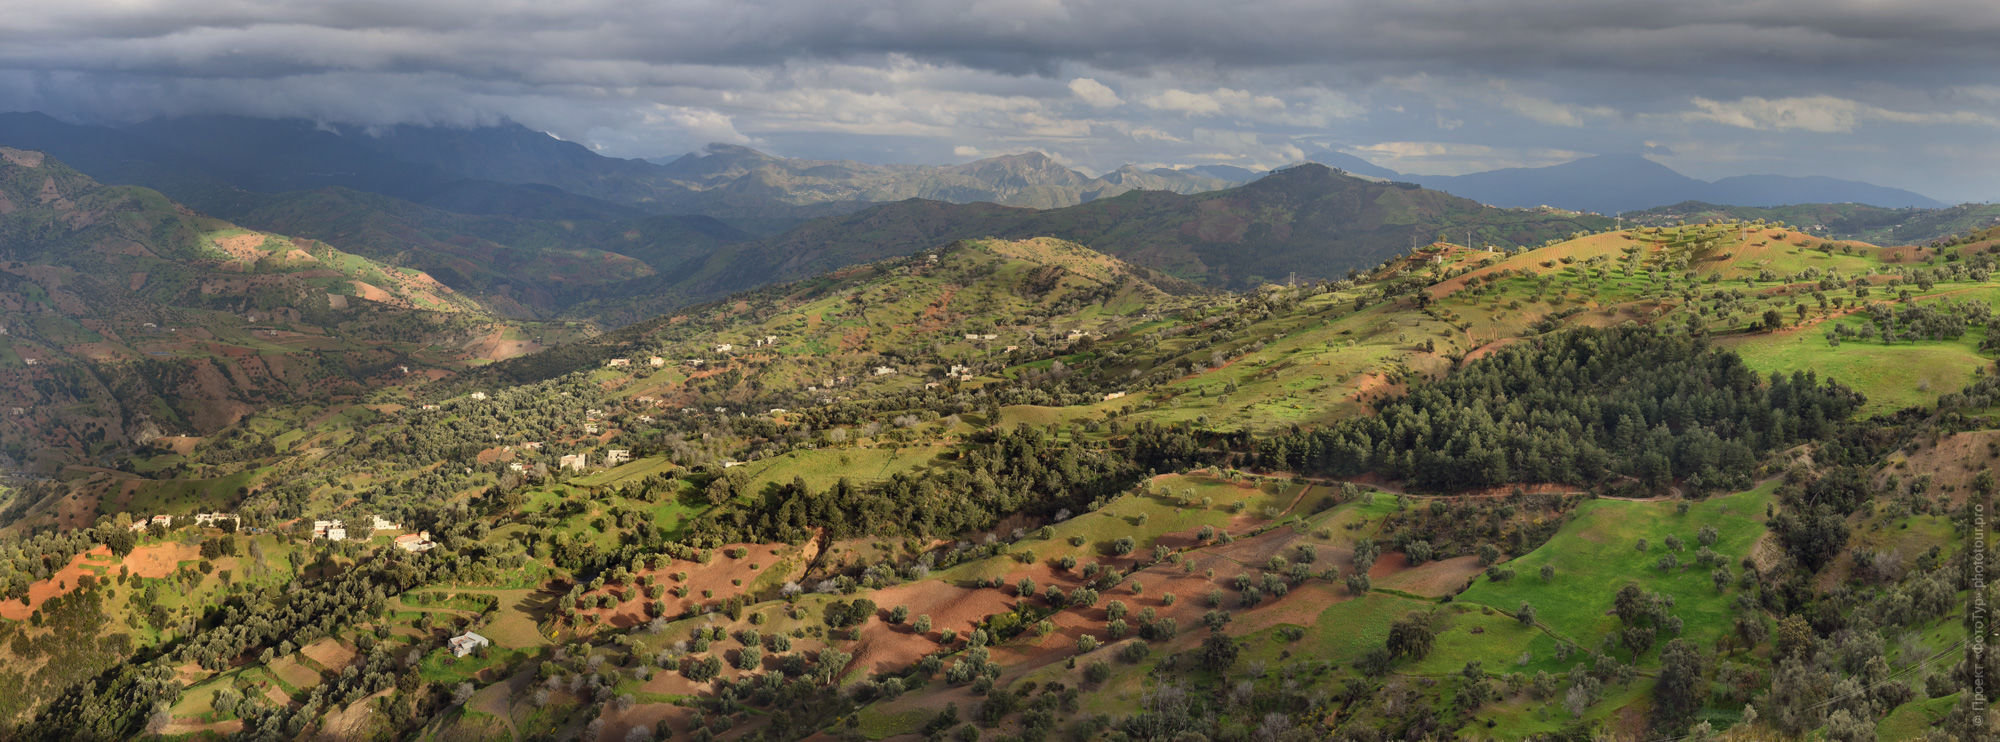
[[467, 643]]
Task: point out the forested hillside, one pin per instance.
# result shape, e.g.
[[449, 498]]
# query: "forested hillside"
[[1693, 481], [130, 319]]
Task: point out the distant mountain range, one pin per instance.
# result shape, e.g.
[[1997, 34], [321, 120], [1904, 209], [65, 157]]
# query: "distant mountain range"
[[1307, 221], [1846, 221], [1030, 179], [1611, 184], [510, 169], [531, 226], [124, 316]]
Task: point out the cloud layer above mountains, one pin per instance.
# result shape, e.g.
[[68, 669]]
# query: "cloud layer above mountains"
[[1897, 93]]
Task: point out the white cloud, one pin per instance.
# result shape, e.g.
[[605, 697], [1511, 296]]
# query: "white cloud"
[[701, 123], [1556, 114], [1176, 99], [1457, 158], [1819, 113], [965, 150], [1148, 133], [1215, 102], [1094, 93]]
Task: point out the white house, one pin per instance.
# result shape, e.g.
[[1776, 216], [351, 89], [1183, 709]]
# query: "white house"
[[467, 642], [617, 456], [724, 347], [336, 534], [517, 467], [209, 519], [481, 396], [884, 370], [380, 523], [656, 362], [1113, 395], [163, 521], [989, 336], [415, 542], [573, 461], [618, 362]]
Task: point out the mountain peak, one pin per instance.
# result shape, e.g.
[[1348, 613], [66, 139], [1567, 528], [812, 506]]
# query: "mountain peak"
[[26, 158], [724, 149]]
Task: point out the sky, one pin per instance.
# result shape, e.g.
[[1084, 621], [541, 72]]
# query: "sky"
[[1902, 93]]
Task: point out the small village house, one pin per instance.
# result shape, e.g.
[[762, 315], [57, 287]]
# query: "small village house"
[[467, 643], [415, 542]]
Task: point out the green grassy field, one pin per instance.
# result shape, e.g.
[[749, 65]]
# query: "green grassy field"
[[822, 468], [1906, 374], [1595, 555]]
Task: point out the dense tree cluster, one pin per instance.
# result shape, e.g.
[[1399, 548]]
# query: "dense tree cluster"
[[1581, 407], [1003, 472]]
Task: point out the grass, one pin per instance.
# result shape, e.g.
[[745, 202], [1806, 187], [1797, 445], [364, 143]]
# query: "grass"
[[441, 668], [822, 468], [1893, 377], [1912, 720], [1494, 640], [1346, 630], [1594, 555]]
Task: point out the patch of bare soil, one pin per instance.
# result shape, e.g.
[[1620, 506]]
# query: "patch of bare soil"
[[23, 157], [350, 721], [719, 577], [1952, 463], [1431, 579], [243, 247], [179, 444], [371, 292], [329, 654], [157, 560], [63, 582], [179, 728]]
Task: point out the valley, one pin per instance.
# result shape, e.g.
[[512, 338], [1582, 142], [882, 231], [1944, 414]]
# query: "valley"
[[1665, 478]]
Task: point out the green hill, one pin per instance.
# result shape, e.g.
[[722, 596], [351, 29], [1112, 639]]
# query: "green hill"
[[1308, 222], [129, 318], [1637, 484], [1848, 221]]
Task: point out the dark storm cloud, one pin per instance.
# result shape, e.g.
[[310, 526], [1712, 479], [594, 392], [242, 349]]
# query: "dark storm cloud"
[[1709, 86]]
